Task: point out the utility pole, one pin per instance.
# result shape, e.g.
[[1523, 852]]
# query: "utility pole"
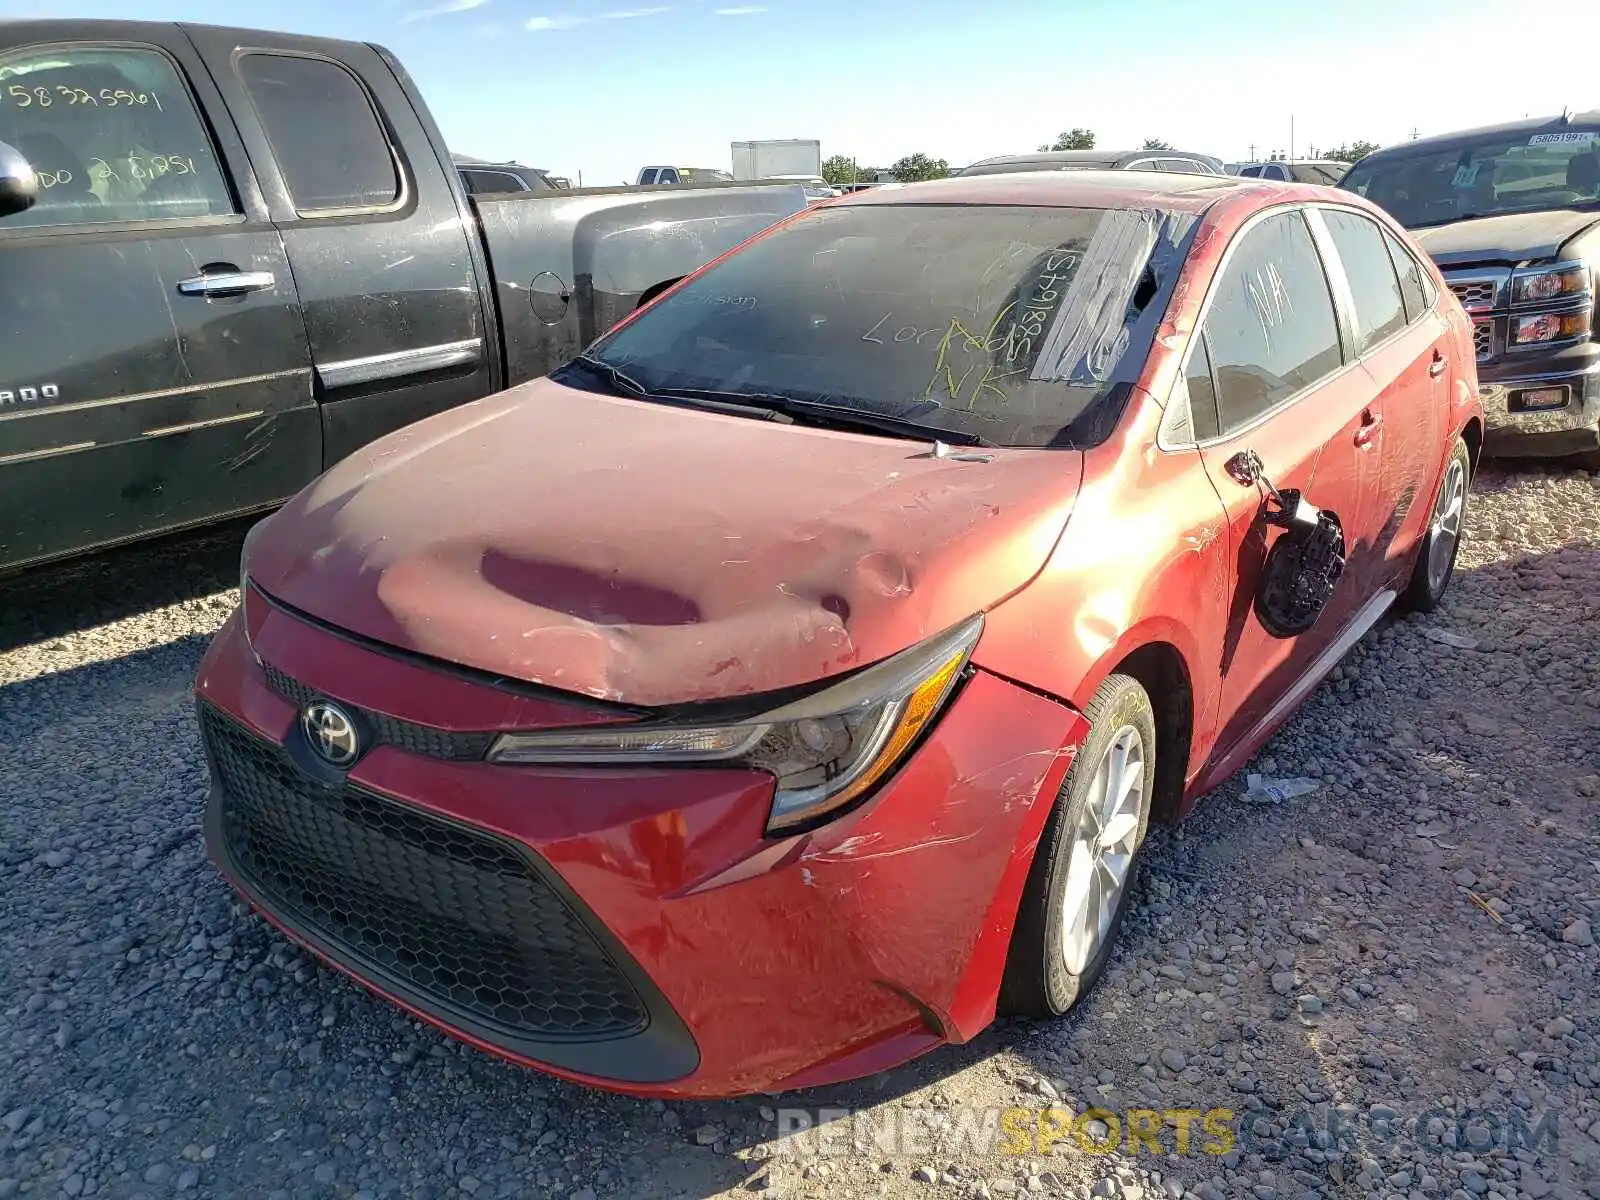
[[1252, 152], [1291, 137], [1415, 133]]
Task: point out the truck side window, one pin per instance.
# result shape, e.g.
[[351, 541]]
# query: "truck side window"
[[112, 134], [324, 130]]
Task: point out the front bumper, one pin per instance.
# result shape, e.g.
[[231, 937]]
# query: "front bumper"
[[635, 930], [1514, 431]]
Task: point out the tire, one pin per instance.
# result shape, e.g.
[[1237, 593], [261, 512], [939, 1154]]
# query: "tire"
[[1435, 564], [1050, 966]]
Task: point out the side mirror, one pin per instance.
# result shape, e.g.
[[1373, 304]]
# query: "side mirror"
[[19, 186]]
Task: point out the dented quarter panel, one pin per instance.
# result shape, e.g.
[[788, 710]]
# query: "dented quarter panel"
[[647, 554]]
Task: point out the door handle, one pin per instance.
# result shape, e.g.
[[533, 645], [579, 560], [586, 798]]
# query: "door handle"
[[1439, 364], [227, 283], [1371, 422]]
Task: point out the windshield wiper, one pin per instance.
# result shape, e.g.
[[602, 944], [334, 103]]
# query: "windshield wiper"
[[822, 412], [616, 376], [625, 384]]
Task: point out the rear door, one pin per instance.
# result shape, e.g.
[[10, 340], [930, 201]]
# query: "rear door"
[[1398, 344], [154, 371], [377, 228], [1268, 373]]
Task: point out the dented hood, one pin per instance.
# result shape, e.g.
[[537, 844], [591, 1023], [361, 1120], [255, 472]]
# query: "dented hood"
[[650, 555]]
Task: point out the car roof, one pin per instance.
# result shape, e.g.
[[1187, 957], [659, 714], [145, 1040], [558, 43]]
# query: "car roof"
[[1045, 157], [1460, 137], [1073, 189]]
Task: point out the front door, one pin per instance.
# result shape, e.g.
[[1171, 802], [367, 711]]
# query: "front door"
[[1268, 374], [380, 236], [154, 371]]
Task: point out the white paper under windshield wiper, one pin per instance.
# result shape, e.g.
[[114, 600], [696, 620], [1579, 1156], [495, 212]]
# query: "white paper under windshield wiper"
[[822, 412]]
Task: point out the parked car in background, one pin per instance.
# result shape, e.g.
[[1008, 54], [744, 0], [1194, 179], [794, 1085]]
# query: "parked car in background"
[[486, 178], [788, 682], [653, 176], [1177, 161], [231, 257], [1511, 213], [1324, 171]]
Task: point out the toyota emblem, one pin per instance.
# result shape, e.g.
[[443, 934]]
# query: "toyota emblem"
[[331, 732]]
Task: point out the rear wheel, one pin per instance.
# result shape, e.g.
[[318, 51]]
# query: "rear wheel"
[[1083, 871], [1436, 554]]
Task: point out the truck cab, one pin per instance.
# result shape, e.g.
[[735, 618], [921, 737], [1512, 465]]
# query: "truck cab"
[[232, 257], [1511, 214], [656, 176]]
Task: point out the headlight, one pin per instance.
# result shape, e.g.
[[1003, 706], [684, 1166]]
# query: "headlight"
[[1533, 286], [825, 751], [1551, 327]]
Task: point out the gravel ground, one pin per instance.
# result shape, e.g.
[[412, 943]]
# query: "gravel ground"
[[1389, 984]]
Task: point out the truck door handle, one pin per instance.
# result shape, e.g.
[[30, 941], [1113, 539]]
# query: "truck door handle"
[[227, 283], [1371, 422], [1438, 366]]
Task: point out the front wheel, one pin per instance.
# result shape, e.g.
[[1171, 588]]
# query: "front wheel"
[[1436, 553], [1083, 870]]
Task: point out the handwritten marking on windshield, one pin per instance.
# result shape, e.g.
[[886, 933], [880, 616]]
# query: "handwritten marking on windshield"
[[906, 333], [958, 336]]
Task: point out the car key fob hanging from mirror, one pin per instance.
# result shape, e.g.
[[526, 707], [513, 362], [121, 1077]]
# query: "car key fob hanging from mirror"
[[1305, 563]]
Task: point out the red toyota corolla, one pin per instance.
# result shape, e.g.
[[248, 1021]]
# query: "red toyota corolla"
[[787, 683]]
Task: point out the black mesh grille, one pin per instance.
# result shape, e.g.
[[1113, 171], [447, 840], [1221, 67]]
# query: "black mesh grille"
[[404, 735], [458, 916]]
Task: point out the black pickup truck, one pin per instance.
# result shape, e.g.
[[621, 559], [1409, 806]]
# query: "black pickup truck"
[[228, 258], [1511, 214]]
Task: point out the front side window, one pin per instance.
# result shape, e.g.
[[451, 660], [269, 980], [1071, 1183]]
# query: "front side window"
[[1374, 286], [324, 131], [112, 134], [1270, 327], [1483, 176], [1020, 326]]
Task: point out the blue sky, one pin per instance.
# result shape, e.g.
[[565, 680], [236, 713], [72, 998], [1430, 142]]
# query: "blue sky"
[[603, 87]]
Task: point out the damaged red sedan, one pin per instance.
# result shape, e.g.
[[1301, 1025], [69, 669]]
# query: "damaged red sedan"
[[786, 685]]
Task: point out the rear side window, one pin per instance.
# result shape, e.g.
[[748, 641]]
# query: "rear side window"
[[1415, 286], [1271, 327], [112, 134], [488, 182], [1380, 310], [1202, 393], [325, 132], [648, 177]]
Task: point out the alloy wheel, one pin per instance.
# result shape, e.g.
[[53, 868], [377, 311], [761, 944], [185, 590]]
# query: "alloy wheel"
[[1444, 530], [1103, 847]]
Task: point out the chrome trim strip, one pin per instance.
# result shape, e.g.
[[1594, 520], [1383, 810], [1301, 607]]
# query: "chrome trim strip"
[[161, 394], [352, 371], [1363, 621], [48, 452], [187, 426]]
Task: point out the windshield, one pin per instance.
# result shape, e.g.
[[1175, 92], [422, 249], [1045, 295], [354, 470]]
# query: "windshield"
[[1015, 325], [1499, 174], [1326, 174]]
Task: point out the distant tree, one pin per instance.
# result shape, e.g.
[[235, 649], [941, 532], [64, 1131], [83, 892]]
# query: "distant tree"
[[914, 168], [842, 169], [1155, 144], [1354, 152], [1072, 139]]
